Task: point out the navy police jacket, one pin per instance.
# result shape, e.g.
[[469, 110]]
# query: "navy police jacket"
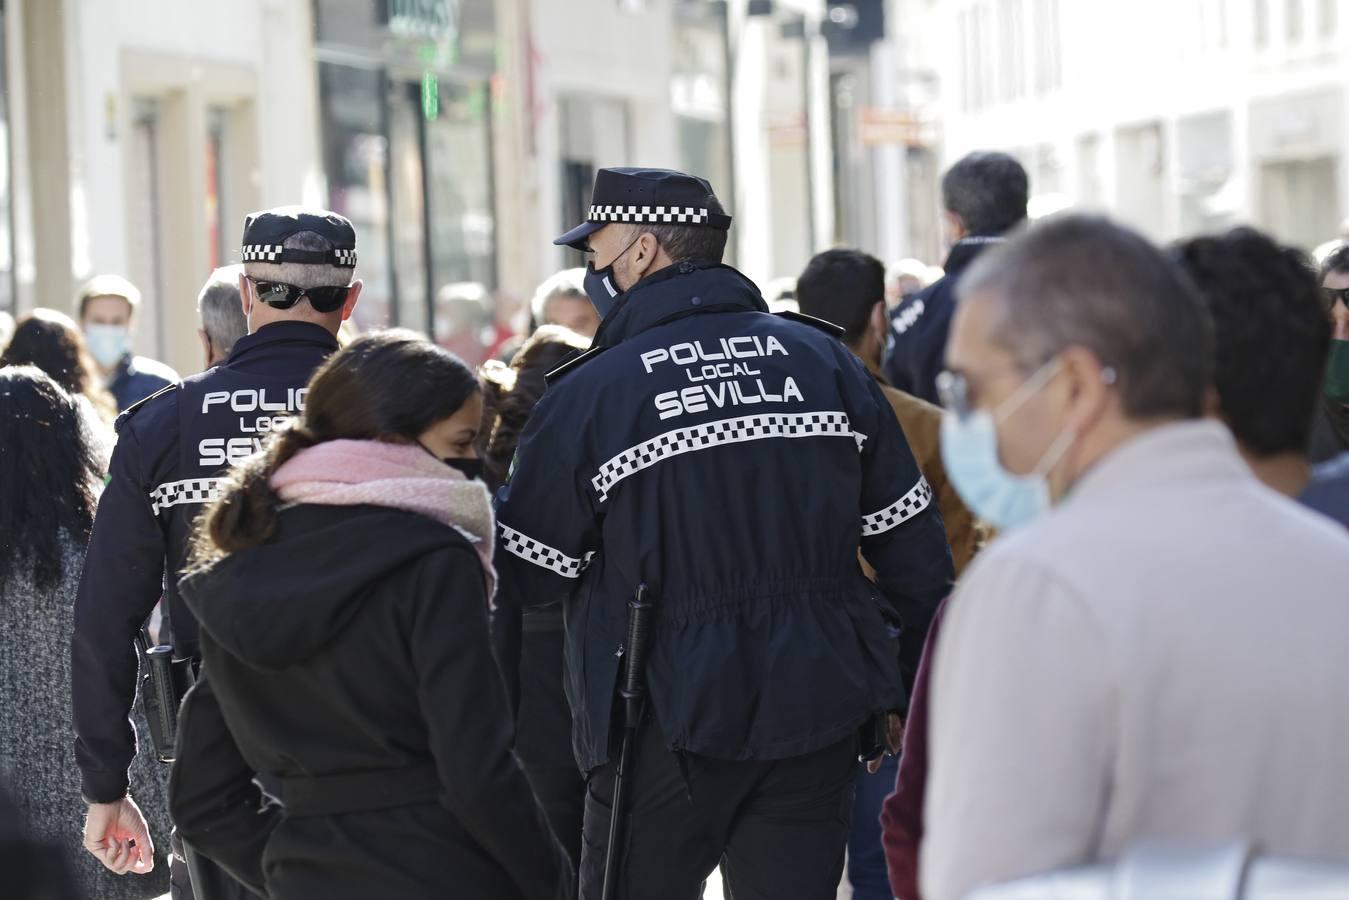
[[732, 461], [172, 449]]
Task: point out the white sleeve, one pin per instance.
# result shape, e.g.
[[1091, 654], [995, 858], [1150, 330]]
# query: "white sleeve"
[[1022, 731]]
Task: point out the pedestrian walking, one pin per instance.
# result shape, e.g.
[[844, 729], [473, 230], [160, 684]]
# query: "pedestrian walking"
[[50, 475], [342, 587], [1154, 649], [107, 308], [732, 462], [172, 450], [984, 196]]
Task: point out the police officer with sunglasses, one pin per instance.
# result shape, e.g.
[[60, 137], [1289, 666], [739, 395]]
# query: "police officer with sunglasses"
[[172, 451]]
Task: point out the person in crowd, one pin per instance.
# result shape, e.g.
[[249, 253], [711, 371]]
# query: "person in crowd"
[[221, 313], [171, 452], [1272, 335], [1328, 490], [50, 474], [985, 196], [561, 300], [342, 584], [530, 646], [1111, 669], [463, 324], [732, 462], [907, 278], [1330, 434], [51, 341], [107, 306], [847, 287]]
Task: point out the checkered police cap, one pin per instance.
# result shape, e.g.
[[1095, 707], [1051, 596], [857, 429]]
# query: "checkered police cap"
[[650, 196], [266, 232]]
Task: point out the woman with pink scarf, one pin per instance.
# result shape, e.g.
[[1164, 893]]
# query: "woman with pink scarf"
[[343, 581]]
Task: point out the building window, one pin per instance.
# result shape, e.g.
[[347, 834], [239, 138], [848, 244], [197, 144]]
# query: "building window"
[[1292, 21]]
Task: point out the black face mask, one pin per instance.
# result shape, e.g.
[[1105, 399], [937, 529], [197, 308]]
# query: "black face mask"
[[470, 467], [601, 286]]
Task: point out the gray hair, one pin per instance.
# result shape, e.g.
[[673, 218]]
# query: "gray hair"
[[221, 312], [567, 283], [302, 275], [1083, 281]]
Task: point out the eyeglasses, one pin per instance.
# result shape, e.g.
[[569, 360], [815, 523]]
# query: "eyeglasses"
[[280, 295], [1335, 295]]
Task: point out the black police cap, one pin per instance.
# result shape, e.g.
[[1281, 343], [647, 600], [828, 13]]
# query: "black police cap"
[[652, 196], [265, 232]]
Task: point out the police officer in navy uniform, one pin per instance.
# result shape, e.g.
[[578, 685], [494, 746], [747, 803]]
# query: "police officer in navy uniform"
[[732, 461], [172, 450]]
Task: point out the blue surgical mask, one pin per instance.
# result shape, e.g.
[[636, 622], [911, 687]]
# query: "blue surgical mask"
[[107, 343], [602, 287], [969, 447]]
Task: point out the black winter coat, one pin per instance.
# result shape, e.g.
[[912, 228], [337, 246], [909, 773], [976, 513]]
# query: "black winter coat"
[[354, 645], [733, 461], [921, 324]]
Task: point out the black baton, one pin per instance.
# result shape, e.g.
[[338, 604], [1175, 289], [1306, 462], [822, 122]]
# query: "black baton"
[[633, 692]]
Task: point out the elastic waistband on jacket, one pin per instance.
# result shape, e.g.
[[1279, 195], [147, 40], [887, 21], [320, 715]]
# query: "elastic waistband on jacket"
[[351, 792]]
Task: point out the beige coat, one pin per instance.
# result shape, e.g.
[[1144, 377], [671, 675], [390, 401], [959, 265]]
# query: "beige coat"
[[1164, 656]]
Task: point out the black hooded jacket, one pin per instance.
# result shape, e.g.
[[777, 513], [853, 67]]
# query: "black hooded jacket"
[[354, 646]]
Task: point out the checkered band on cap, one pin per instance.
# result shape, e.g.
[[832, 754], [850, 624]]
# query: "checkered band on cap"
[[261, 252], [540, 554], [177, 493], [275, 253], [677, 215], [713, 434], [899, 512]]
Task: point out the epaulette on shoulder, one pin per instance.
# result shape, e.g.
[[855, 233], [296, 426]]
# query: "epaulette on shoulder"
[[575, 362], [136, 407], [827, 327]]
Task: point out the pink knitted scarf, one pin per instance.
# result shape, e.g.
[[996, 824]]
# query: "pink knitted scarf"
[[400, 476]]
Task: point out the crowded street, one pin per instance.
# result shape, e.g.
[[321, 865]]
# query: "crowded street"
[[674, 450]]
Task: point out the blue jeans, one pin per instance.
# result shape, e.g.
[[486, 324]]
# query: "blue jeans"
[[866, 856]]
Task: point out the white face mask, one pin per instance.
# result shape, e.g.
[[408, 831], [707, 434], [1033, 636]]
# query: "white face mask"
[[107, 343]]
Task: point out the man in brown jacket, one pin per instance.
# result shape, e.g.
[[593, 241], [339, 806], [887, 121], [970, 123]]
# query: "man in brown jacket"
[[847, 287]]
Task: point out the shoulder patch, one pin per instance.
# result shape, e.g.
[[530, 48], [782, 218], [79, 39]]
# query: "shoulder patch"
[[134, 408], [573, 363], [827, 327]]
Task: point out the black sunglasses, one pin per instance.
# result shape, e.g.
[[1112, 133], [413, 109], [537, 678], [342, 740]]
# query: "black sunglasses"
[[1335, 295], [279, 295]]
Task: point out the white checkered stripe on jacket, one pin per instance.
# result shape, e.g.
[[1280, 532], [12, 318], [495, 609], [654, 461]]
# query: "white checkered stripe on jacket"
[[176, 493], [678, 215], [712, 434], [540, 554], [897, 513]]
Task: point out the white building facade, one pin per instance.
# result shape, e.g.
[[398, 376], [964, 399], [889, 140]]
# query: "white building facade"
[[1179, 116]]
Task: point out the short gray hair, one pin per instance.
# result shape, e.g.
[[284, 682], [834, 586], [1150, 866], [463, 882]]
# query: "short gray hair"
[[302, 275], [567, 283], [221, 312], [1083, 281]]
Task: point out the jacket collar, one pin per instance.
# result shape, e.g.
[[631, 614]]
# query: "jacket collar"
[[687, 288], [278, 332], [1187, 452], [969, 247]]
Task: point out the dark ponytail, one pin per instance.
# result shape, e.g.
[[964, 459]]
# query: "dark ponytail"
[[390, 385]]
